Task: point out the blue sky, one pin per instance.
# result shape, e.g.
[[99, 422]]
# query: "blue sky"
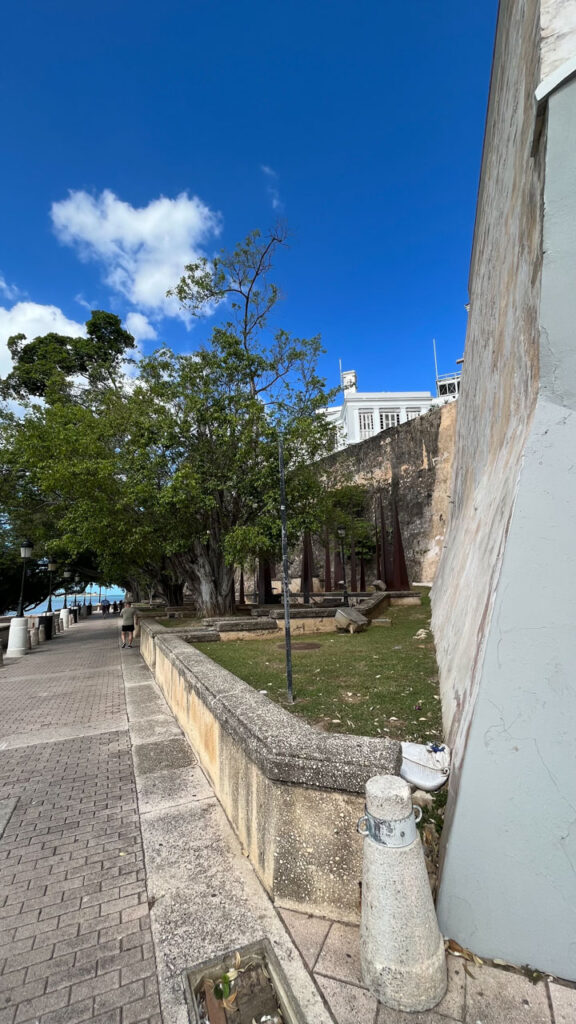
[[137, 135]]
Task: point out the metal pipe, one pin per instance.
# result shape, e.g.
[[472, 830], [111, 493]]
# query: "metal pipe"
[[285, 573], [341, 531]]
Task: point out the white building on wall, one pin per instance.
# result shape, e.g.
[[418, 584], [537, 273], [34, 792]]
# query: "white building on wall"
[[365, 413]]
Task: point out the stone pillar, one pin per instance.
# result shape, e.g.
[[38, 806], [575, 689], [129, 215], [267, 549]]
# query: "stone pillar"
[[34, 636], [41, 633], [17, 638], [401, 948], [65, 618]]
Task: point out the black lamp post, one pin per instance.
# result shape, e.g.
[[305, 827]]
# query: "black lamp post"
[[25, 553], [66, 574], [76, 581], [51, 568], [341, 531]]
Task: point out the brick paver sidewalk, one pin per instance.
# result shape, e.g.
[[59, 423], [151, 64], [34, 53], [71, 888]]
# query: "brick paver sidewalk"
[[75, 941]]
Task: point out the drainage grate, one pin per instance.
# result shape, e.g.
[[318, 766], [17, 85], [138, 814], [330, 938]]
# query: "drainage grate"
[[244, 986]]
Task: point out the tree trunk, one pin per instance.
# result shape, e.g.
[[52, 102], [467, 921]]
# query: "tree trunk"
[[399, 570], [307, 569], [387, 566], [338, 571], [210, 580], [379, 569], [353, 575], [172, 592], [134, 589], [265, 570], [327, 568]]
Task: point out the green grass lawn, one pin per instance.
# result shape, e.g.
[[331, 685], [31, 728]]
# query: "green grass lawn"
[[383, 682]]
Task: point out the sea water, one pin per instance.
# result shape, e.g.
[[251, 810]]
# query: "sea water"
[[91, 593]]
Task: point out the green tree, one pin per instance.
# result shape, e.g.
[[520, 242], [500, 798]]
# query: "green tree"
[[55, 367], [175, 479], [11, 576]]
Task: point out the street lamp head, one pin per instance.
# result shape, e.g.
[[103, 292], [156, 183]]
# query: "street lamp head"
[[77, 578], [67, 573], [341, 531], [52, 566], [26, 548]]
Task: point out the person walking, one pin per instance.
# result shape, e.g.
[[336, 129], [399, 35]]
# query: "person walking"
[[128, 623]]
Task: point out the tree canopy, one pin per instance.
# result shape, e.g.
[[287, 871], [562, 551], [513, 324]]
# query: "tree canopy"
[[56, 367], [170, 475]]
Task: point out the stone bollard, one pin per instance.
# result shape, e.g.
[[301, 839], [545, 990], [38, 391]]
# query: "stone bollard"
[[65, 618], [42, 633], [401, 948], [17, 638], [58, 624], [34, 636]]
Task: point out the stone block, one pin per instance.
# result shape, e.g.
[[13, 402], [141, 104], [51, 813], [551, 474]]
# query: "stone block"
[[242, 625], [317, 612], [200, 636], [351, 620]]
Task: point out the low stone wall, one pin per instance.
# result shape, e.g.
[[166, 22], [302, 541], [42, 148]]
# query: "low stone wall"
[[292, 794]]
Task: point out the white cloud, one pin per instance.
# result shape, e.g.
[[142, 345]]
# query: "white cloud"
[[142, 250], [82, 302], [140, 326], [33, 320], [9, 291], [272, 190]]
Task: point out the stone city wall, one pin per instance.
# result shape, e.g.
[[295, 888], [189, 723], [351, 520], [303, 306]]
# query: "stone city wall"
[[413, 462], [503, 600], [500, 371]]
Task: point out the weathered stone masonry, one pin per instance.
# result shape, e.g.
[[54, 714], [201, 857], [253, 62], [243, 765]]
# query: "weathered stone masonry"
[[413, 464], [504, 604]]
